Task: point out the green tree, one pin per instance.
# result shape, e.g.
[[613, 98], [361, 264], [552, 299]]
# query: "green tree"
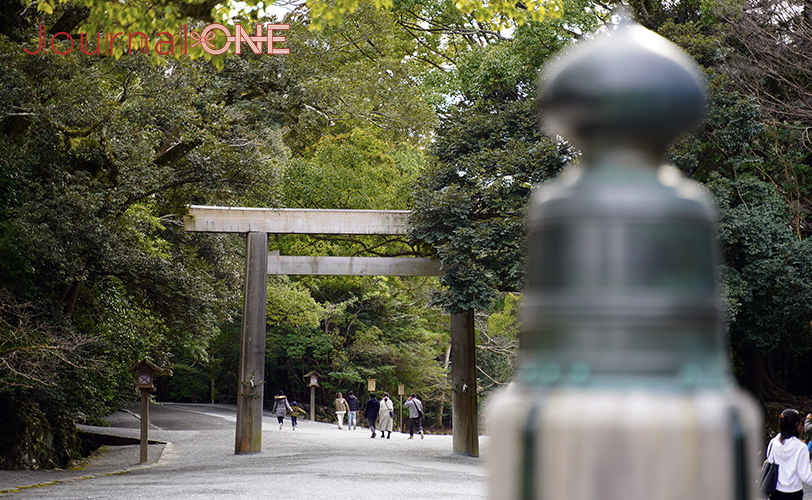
[[767, 288], [498, 342], [356, 170], [750, 150], [470, 206], [100, 158]]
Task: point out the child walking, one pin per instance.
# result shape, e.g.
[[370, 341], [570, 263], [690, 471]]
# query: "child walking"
[[295, 411]]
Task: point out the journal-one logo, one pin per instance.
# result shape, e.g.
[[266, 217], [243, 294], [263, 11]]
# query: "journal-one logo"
[[165, 43]]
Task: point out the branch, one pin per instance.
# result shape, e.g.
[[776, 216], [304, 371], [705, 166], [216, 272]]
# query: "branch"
[[495, 382], [176, 152], [368, 248]]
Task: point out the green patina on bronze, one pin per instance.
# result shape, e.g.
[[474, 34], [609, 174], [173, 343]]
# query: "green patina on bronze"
[[621, 283]]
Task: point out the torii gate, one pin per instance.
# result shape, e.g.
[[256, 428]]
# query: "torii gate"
[[257, 223]]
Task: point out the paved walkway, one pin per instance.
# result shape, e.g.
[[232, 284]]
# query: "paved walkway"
[[315, 461]]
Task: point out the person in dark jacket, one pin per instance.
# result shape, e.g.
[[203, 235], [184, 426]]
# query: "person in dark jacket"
[[352, 402], [371, 412]]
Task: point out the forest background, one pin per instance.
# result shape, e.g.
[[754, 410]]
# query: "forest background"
[[426, 105]]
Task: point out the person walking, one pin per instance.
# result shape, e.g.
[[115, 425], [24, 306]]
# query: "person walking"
[[371, 412], [341, 408], [352, 416], [295, 412], [792, 457], [280, 407], [386, 413], [415, 407]]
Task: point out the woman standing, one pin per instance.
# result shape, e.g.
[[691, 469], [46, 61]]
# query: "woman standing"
[[341, 409], [792, 457], [280, 407], [385, 414]]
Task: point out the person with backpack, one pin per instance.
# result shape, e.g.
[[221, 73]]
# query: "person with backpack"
[[295, 412], [792, 457], [415, 407]]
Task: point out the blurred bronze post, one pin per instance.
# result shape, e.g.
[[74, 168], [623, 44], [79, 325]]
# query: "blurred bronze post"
[[625, 390]]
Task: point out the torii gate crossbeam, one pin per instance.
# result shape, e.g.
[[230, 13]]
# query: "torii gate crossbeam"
[[257, 223]]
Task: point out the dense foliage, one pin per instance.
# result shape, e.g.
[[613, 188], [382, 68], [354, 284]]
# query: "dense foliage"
[[101, 156], [99, 159], [752, 152], [471, 209]]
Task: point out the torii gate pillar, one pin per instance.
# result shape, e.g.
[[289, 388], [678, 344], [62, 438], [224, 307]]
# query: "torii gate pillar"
[[252, 350], [463, 381]]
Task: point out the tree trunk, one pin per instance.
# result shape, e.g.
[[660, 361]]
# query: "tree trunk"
[[70, 294], [757, 378], [443, 393], [70, 300]]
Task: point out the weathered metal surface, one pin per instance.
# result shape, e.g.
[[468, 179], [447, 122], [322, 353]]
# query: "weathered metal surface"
[[625, 389]]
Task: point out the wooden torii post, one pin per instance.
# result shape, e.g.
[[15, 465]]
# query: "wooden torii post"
[[256, 224]]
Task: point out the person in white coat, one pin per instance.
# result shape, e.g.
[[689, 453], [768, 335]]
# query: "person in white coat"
[[385, 415], [792, 457], [341, 408]]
